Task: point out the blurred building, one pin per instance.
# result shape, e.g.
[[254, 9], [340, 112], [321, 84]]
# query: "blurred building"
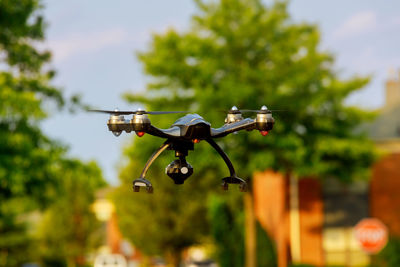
[[312, 220], [114, 246], [385, 130], [392, 90], [113, 243]]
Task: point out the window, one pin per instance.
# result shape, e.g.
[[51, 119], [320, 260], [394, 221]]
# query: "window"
[[344, 206]]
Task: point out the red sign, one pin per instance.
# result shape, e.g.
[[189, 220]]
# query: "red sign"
[[372, 235]]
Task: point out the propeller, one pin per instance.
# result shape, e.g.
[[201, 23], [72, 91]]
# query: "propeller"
[[264, 109], [138, 112]]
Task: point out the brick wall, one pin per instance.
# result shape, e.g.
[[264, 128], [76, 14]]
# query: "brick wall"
[[272, 211], [385, 192], [270, 207], [311, 221]]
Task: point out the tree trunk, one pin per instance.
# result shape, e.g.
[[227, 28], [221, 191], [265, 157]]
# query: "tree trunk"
[[250, 231]]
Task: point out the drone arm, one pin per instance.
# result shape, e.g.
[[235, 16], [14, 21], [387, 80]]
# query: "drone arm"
[[153, 158], [167, 133], [245, 124], [223, 155]]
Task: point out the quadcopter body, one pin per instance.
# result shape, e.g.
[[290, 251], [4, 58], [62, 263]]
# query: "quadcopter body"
[[183, 134]]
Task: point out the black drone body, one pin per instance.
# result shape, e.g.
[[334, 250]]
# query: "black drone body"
[[183, 134]]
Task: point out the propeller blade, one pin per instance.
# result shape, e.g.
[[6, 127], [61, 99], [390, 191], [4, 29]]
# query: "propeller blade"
[[119, 112], [248, 110], [164, 112], [252, 110], [113, 112]]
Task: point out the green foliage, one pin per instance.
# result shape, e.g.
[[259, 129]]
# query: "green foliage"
[[243, 53], [26, 154], [389, 256], [228, 233], [34, 171], [246, 54], [266, 252], [68, 229], [14, 239], [21, 25]]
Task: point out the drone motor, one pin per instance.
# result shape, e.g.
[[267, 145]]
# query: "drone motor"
[[234, 115], [114, 122], [264, 120], [140, 124]]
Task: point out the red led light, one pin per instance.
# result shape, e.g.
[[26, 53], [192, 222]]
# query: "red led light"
[[140, 134], [196, 141], [263, 133]]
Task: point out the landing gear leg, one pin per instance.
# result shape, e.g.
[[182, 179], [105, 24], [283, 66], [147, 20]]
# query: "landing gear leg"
[[232, 179], [142, 181]]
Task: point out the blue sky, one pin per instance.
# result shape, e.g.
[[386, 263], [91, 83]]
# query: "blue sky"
[[94, 43]]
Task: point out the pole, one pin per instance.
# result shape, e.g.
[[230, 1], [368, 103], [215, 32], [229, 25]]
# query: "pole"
[[250, 231], [294, 218]]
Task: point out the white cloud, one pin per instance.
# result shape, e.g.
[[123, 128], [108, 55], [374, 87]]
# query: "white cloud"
[[79, 43], [359, 23]]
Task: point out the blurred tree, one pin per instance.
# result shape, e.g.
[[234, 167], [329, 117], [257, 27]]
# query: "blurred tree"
[[69, 229], [228, 233], [243, 53], [24, 90], [25, 153], [27, 156], [14, 238], [389, 256]]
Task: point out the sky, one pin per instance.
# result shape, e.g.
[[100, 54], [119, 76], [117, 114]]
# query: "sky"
[[94, 44]]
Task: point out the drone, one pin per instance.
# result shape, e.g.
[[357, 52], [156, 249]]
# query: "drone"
[[183, 135]]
